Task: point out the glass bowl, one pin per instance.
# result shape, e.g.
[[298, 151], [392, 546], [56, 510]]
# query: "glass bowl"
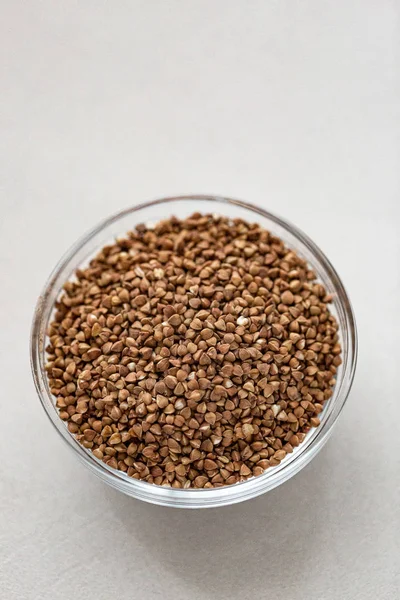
[[183, 206]]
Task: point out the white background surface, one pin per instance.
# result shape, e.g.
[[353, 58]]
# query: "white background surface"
[[291, 105]]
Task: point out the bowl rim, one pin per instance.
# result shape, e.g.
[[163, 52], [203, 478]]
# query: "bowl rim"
[[210, 497]]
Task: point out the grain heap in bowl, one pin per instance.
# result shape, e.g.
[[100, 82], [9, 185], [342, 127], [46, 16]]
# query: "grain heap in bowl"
[[195, 353]]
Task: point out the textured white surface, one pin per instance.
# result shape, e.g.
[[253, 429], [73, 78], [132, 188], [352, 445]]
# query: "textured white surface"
[[292, 105]]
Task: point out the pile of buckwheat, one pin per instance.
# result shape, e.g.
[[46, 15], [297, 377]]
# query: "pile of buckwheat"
[[194, 354]]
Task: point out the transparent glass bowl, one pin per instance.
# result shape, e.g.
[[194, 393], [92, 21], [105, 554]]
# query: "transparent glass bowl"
[[118, 225]]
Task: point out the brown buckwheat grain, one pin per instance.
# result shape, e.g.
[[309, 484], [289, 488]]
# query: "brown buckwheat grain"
[[194, 354]]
